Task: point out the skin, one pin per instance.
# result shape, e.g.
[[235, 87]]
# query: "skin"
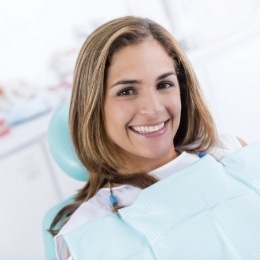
[[142, 90]]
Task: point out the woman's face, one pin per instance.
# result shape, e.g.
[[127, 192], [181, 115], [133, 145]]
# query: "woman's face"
[[142, 105]]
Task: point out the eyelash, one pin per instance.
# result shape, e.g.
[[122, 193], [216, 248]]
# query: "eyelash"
[[125, 91], [170, 84]]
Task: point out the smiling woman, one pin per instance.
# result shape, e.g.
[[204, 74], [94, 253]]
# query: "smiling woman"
[[142, 105], [137, 116]]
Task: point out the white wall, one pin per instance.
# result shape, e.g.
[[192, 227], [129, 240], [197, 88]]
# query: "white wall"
[[39, 41]]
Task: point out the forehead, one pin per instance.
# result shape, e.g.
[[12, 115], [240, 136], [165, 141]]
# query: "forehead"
[[148, 45], [147, 56]]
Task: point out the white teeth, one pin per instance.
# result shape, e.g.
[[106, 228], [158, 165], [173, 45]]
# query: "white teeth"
[[148, 129]]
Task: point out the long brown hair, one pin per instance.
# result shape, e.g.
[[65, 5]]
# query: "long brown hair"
[[92, 144]]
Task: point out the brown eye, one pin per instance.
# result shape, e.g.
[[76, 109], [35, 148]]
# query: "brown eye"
[[126, 92], [164, 85]]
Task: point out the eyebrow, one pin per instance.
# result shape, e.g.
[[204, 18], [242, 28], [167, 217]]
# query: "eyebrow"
[[165, 75], [125, 81]]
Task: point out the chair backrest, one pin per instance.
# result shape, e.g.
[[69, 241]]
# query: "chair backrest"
[[63, 153]]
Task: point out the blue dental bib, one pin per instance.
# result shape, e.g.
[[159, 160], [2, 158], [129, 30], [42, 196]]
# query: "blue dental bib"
[[210, 210]]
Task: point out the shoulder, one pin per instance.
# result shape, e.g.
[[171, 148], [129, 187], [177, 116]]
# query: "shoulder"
[[88, 211], [225, 145], [99, 206], [96, 207]]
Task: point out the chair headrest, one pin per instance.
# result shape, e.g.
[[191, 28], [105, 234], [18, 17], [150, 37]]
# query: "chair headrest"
[[61, 145]]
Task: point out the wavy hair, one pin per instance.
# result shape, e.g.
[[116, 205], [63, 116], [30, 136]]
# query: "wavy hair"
[[87, 120]]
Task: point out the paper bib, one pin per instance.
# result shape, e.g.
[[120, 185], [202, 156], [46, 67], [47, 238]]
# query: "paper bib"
[[210, 210]]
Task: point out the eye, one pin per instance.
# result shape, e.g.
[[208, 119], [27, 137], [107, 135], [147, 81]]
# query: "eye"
[[126, 92], [164, 85]]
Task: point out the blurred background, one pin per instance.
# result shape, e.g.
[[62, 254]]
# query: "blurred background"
[[39, 42]]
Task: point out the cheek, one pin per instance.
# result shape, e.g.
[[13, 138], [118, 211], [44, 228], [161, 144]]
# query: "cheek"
[[117, 116], [174, 104]]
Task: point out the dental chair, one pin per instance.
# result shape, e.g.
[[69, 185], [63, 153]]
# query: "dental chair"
[[64, 155]]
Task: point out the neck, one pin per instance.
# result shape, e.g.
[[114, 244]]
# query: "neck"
[[139, 164]]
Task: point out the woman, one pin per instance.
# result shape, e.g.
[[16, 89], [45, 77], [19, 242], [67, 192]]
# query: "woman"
[[137, 115]]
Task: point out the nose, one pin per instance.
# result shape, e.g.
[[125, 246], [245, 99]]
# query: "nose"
[[151, 103]]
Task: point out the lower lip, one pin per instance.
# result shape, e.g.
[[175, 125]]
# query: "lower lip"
[[154, 134]]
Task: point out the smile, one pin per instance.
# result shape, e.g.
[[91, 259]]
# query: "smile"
[[148, 129]]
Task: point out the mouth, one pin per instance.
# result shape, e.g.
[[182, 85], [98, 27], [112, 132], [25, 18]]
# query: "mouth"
[[149, 129]]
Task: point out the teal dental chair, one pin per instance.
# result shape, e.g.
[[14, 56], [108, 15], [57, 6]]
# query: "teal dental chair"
[[63, 153]]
